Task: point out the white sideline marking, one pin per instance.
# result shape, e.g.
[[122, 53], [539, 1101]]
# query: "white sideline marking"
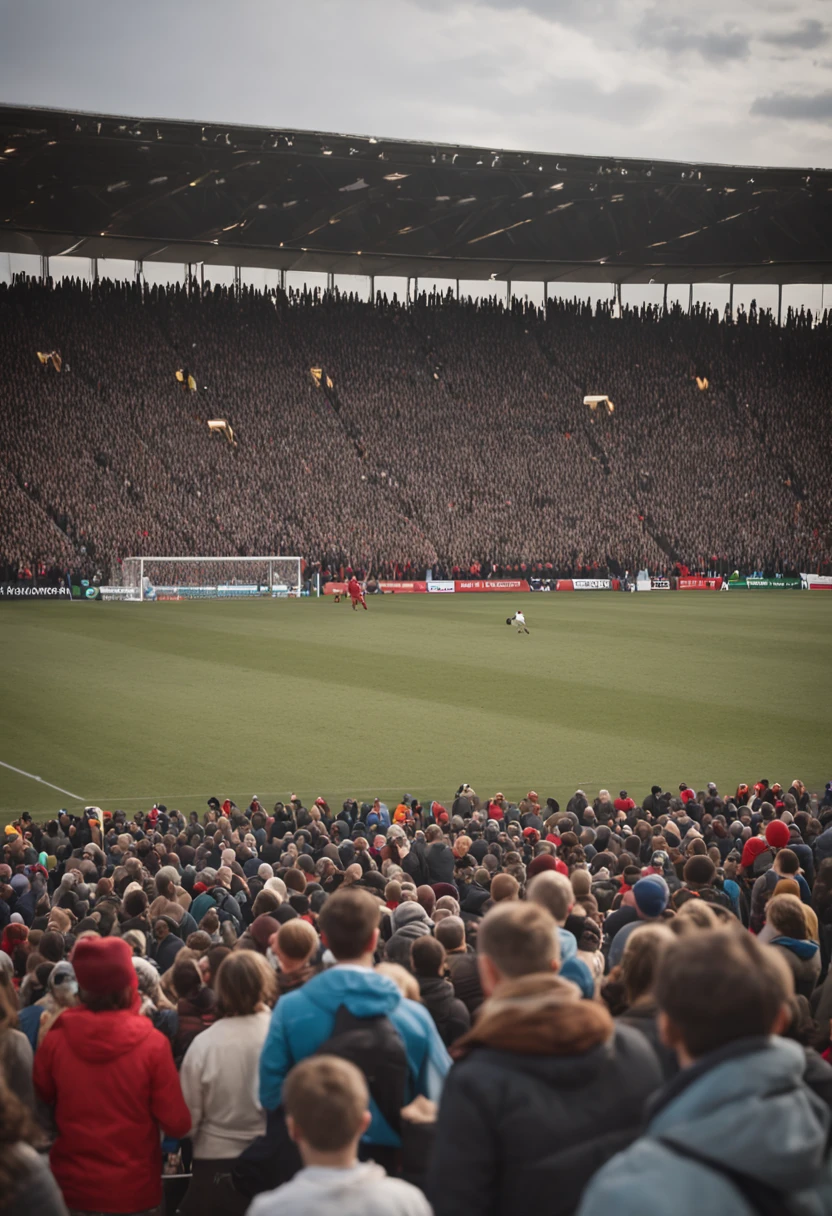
[[33, 777]]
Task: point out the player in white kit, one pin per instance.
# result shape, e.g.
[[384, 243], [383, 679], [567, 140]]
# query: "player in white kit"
[[519, 620]]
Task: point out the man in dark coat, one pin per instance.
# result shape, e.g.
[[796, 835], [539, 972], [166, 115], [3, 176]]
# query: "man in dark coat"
[[440, 856], [546, 1088]]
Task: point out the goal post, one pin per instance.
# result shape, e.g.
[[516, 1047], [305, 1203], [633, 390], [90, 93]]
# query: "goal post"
[[178, 578]]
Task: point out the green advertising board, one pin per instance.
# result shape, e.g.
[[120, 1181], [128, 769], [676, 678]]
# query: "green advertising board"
[[765, 584]]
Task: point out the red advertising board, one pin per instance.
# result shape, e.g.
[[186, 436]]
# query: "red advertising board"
[[493, 584], [699, 584], [392, 587], [816, 582]]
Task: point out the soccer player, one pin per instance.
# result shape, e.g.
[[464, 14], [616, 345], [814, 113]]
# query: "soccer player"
[[519, 620], [356, 594]]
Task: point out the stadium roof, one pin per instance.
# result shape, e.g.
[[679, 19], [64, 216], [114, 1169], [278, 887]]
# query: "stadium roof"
[[160, 190]]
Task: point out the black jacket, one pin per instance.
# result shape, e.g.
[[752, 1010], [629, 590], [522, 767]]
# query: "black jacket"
[[465, 977], [520, 1134], [448, 1012], [440, 859]]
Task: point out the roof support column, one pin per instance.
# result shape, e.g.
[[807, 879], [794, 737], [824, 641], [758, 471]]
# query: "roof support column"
[[94, 269], [457, 290], [664, 299], [415, 289], [138, 270], [618, 300], [690, 298], [508, 294], [330, 281], [44, 267], [779, 303], [731, 301], [238, 281], [282, 280], [373, 290], [545, 298]]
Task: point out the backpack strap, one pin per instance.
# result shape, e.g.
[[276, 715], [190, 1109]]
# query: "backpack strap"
[[763, 1199]]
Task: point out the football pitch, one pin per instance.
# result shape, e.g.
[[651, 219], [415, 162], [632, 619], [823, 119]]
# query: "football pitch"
[[122, 705]]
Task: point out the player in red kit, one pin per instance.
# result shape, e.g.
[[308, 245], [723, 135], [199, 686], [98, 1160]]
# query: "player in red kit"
[[356, 594]]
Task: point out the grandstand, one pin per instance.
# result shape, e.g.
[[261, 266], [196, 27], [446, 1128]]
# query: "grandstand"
[[110, 456]]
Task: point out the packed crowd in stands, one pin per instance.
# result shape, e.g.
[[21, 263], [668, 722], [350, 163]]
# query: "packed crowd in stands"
[[440, 435], [482, 1008]]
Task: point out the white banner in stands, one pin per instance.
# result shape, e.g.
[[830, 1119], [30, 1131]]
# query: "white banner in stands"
[[816, 582], [443, 586], [592, 584], [660, 584]]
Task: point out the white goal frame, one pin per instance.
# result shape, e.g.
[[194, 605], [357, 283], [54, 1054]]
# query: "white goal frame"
[[133, 577]]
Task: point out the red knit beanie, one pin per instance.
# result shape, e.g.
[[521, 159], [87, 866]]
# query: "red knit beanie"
[[104, 964], [546, 862], [752, 849], [777, 834]]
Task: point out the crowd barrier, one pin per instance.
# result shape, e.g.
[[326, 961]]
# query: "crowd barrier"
[[686, 583]]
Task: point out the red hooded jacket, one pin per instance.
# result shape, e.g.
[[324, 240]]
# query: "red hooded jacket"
[[111, 1078]]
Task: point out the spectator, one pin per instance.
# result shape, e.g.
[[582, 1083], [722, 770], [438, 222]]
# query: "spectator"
[[219, 1083], [303, 1020], [545, 1087], [102, 1051], [327, 1114], [27, 1187], [720, 996], [452, 1019]]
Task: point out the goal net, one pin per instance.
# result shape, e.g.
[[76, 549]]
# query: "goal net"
[[176, 578]]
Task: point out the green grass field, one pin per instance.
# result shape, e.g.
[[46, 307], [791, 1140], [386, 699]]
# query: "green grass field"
[[121, 705]]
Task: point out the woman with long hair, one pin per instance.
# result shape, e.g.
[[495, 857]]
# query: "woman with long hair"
[[27, 1187], [220, 1079]]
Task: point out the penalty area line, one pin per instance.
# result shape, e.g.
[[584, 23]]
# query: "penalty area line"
[[34, 777]]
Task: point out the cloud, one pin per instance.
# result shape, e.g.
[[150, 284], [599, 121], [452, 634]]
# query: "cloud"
[[811, 107], [678, 38], [804, 37]]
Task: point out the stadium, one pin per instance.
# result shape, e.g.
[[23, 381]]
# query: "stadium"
[[413, 630]]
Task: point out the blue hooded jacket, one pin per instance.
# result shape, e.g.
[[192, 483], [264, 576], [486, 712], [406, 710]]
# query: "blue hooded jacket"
[[304, 1019], [746, 1107]]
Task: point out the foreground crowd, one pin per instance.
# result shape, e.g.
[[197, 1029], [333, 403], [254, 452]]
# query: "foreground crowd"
[[483, 1008], [453, 434]]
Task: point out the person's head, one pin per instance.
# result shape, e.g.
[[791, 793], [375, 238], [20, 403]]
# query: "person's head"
[[294, 944], [718, 986], [105, 973], [553, 892], [393, 891], [504, 887], [699, 871], [451, 933], [640, 960], [651, 896], [186, 977], [349, 925], [787, 862], [427, 957], [326, 1103], [516, 939], [785, 914], [244, 984]]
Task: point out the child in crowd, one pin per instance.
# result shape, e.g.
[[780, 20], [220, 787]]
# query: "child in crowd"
[[326, 1103]]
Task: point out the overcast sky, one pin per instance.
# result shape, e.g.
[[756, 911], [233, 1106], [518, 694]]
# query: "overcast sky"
[[745, 81]]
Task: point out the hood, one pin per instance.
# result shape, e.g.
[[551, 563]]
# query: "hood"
[[802, 949], [755, 1103], [410, 913], [438, 995], [364, 992], [103, 1037], [540, 1015]]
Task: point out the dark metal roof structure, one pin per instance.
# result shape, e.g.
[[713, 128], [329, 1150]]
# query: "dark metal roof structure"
[[152, 189]]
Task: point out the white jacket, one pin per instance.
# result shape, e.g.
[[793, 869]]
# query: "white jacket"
[[220, 1084], [361, 1190]]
